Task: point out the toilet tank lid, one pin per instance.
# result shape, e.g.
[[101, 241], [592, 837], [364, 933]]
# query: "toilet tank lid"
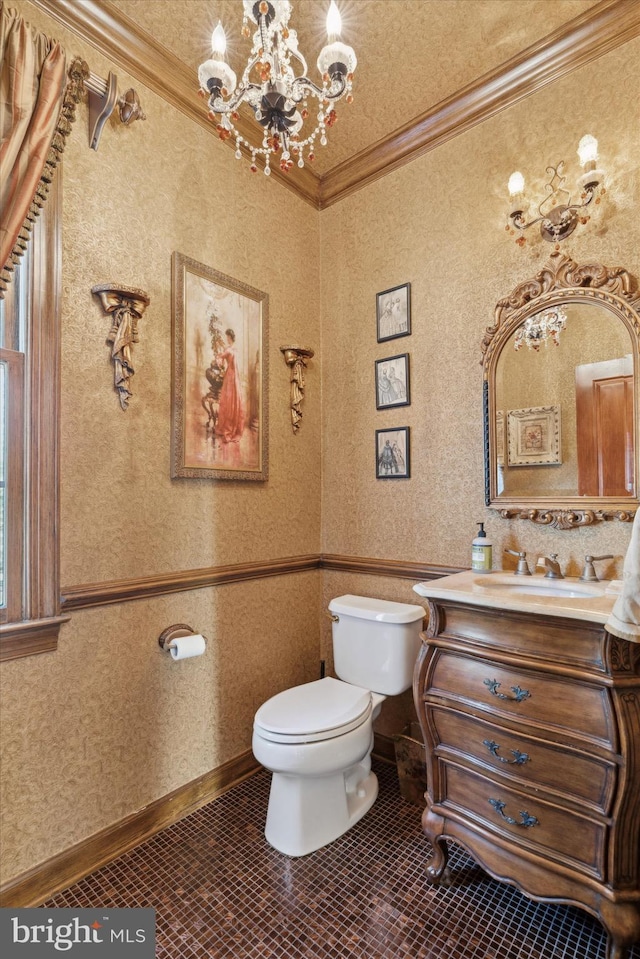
[[381, 610]]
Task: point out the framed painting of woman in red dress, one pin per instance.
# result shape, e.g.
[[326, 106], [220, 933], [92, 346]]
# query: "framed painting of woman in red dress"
[[219, 375]]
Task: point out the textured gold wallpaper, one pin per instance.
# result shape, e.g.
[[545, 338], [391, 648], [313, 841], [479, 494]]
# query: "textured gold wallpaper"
[[107, 724], [438, 223], [163, 185]]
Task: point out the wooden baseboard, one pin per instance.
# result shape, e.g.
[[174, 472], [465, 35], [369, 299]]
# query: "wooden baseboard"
[[37, 885]]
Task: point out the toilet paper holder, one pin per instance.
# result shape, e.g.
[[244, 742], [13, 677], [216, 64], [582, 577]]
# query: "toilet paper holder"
[[173, 632]]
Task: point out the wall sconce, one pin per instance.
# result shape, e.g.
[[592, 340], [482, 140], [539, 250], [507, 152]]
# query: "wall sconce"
[[125, 305], [558, 216], [296, 359]]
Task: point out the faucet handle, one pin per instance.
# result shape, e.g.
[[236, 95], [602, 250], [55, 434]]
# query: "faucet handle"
[[589, 573], [522, 568]]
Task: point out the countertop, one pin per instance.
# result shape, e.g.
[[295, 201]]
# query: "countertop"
[[528, 594]]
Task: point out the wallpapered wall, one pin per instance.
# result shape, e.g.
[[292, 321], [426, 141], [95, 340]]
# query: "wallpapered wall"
[[106, 724], [438, 223]]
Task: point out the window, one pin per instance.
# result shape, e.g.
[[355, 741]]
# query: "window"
[[29, 411], [11, 483]]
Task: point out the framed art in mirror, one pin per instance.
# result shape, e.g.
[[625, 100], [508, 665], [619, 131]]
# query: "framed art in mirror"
[[580, 329], [219, 375], [534, 436]]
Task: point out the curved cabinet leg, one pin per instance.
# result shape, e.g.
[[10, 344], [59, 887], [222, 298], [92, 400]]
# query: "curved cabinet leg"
[[622, 923], [437, 870], [615, 950]]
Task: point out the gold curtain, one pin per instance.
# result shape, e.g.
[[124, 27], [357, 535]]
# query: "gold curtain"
[[37, 107]]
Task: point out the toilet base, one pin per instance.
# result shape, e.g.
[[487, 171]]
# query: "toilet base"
[[308, 812]]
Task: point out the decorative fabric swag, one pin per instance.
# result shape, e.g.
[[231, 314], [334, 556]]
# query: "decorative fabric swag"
[[38, 99]]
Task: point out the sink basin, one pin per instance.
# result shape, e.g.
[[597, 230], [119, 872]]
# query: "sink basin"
[[538, 586]]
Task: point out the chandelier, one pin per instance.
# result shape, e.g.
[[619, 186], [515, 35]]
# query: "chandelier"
[[558, 213], [279, 99], [541, 328]]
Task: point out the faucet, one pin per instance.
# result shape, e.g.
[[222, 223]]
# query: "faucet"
[[552, 566], [588, 573], [522, 568]]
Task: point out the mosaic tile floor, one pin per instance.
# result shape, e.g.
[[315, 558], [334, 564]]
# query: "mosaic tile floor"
[[222, 893]]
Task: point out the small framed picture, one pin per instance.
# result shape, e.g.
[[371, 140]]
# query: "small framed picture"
[[392, 381], [393, 312], [392, 453], [534, 436]]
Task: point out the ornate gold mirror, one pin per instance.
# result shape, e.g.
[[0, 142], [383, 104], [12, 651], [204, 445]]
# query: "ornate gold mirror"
[[562, 397]]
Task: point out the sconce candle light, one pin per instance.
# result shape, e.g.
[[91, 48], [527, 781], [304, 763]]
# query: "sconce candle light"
[[558, 214]]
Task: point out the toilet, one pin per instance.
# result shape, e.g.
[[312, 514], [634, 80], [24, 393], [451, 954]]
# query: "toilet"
[[316, 739]]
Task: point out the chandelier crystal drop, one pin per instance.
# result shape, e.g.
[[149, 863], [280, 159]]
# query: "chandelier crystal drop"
[[279, 99], [541, 328]]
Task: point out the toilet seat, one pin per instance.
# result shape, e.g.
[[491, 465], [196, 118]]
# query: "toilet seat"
[[313, 712]]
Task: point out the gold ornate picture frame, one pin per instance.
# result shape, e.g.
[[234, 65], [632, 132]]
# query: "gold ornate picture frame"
[[219, 375]]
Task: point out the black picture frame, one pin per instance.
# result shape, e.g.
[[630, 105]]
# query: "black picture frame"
[[392, 382], [393, 453], [393, 313]]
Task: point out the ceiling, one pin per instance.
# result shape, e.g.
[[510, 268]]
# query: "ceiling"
[[412, 54], [427, 69]]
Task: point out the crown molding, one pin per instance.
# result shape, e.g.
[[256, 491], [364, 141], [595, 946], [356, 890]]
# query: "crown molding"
[[128, 45], [599, 30], [594, 33]]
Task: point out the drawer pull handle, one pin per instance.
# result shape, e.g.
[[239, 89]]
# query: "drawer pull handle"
[[518, 692], [519, 759], [526, 819]]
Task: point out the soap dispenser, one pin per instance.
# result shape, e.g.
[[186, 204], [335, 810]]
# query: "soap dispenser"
[[481, 552]]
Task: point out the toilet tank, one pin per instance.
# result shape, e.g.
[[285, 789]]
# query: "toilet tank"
[[376, 642]]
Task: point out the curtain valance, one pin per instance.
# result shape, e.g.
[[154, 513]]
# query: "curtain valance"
[[38, 98]]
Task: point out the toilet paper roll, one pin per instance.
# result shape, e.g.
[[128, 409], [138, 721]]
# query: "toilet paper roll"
[[184, 647]]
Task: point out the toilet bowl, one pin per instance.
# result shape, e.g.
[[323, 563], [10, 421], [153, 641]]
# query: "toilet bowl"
[[317, 738]]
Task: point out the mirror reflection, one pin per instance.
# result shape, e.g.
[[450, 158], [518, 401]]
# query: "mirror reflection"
[[564, 406]]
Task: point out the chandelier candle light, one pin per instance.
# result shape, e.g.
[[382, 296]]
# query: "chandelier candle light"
[[279, 99], [557, 215], [541, 328]]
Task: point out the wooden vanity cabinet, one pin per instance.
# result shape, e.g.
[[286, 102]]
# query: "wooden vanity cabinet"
[[532, 732]]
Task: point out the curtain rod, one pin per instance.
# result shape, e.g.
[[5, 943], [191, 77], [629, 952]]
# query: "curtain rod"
[[103, 99]]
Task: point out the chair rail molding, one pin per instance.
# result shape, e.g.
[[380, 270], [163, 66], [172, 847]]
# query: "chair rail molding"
[[593, 33], [89, 595]]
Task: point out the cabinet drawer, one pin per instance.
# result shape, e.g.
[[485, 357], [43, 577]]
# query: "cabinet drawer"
[[535, 697], [555, 833], [581, 778]]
